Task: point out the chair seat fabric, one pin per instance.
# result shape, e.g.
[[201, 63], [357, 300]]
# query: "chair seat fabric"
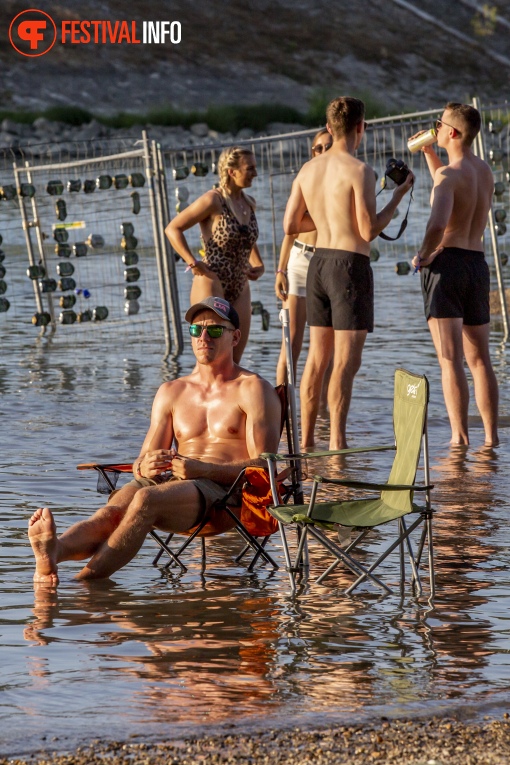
[[357, 512]]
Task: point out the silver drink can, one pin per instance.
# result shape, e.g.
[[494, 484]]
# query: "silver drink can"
[[426, 138]]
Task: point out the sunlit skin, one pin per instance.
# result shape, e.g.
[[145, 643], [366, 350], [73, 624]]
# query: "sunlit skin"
[[220, 417], [206, 211], [461, 199], [335, 195]]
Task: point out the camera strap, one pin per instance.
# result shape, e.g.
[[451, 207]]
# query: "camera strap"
[[403, 225]]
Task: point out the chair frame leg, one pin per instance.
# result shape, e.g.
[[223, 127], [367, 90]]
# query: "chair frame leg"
[[383, 556], [347, 550], [346, 559], [173, 556]]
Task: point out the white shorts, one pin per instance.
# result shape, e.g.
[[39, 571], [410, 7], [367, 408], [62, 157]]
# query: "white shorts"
[[297, 268]]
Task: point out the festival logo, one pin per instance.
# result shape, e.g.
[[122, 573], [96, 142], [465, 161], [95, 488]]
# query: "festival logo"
[[32, 33]]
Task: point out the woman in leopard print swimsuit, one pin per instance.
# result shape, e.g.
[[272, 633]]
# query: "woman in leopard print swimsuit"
[[229, 232]]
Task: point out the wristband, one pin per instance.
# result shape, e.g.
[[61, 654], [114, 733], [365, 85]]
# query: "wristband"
[[281, 271], [138, 471], [191, 265]]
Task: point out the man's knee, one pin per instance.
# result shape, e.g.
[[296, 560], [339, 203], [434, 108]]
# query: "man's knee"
[[142, 505]]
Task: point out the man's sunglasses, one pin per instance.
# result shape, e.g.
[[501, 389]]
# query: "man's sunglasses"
[[442, 122], [213, 330]]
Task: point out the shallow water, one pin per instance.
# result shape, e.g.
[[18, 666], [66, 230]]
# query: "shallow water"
[[149, 654]]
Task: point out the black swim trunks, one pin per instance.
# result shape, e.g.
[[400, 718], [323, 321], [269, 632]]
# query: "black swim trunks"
[[340, 290], [456, 286]]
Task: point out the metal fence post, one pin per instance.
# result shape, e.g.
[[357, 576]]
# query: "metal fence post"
[[168, 255], [480, 150], [151, 173]]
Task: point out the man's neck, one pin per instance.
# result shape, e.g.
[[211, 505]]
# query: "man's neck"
[[218, 372], [347, 144], [457, 151]]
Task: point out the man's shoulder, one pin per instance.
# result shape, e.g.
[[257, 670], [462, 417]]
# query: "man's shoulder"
[[256, 386]]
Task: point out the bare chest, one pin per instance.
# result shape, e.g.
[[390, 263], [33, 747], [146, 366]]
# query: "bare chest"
[[210, 421]]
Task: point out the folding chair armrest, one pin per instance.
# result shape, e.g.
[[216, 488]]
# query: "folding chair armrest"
[[376, 486], [307, 455], [123, 467]]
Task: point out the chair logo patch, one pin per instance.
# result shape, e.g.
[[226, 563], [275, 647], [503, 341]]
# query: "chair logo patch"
[[412, 390]]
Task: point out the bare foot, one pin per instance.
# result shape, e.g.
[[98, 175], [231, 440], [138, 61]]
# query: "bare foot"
[[43, 538]]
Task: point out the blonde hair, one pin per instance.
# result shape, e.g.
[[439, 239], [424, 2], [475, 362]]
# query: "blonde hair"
[[230, 158]]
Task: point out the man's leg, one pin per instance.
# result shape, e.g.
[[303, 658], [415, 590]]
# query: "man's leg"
[[346, 362], [319, 354], [447, 337], [172, 507], [476, 351], [80, 541]]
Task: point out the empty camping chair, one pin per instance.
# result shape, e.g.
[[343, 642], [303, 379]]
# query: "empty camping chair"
[[393, 503]]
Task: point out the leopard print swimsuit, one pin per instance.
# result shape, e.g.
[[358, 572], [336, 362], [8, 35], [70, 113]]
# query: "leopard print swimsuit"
[[228, 250]]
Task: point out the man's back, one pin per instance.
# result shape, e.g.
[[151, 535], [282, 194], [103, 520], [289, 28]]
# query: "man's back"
[[329, 186], [471, 184]]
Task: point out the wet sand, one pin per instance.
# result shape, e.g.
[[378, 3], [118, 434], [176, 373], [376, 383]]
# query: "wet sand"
[[410, 742]]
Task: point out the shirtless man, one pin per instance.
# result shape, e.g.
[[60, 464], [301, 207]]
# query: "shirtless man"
[[221, 417], [454, 273], [335, 194]]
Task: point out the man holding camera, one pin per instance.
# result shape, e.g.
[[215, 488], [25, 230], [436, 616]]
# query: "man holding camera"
[[335, 194], [454, 273]]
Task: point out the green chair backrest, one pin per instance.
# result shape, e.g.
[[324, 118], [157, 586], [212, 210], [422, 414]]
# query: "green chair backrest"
[[410, 402]]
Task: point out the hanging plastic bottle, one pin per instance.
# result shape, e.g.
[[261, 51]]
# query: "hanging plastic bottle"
[[130, 258], [63, 250], [65, 269], [36, 272], [66, 284], [137, 180], [41, 319], [67, 317], [132, 292], [131, 275], [100, 313], [67, 301], [135, 198], [55, 188]]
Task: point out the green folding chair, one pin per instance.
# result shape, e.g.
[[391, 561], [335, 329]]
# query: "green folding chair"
[[395, 501]]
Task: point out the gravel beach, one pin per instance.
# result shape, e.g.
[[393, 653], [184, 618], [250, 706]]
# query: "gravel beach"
[[434, 741]]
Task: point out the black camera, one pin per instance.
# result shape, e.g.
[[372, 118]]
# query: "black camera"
[[397, 170]]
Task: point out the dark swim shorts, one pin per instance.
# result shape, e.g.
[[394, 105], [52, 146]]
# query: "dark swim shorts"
[[340, 290], [456, 286]]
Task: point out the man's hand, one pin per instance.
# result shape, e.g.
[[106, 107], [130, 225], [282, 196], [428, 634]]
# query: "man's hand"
[[186, 467], [155, 462], [419, 262], [402, 190], [425, 149]]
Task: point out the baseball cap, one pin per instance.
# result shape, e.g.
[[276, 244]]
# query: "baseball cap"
[[220, 306]]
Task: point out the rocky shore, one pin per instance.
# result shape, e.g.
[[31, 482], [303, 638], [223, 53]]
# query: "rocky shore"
[[43, 135], [403, 742]]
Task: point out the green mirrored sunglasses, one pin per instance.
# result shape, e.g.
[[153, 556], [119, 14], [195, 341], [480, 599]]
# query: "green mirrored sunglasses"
[[213, 330]]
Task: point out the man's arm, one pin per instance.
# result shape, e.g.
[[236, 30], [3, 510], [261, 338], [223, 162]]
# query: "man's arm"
[[262, 406], [297, 219], [370, 222], [442, 208], [155, 454]]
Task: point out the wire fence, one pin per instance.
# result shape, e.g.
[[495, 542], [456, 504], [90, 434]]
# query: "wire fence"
[[82, 223]]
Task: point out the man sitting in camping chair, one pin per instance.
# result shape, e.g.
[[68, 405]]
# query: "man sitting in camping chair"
[[221, 417]]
